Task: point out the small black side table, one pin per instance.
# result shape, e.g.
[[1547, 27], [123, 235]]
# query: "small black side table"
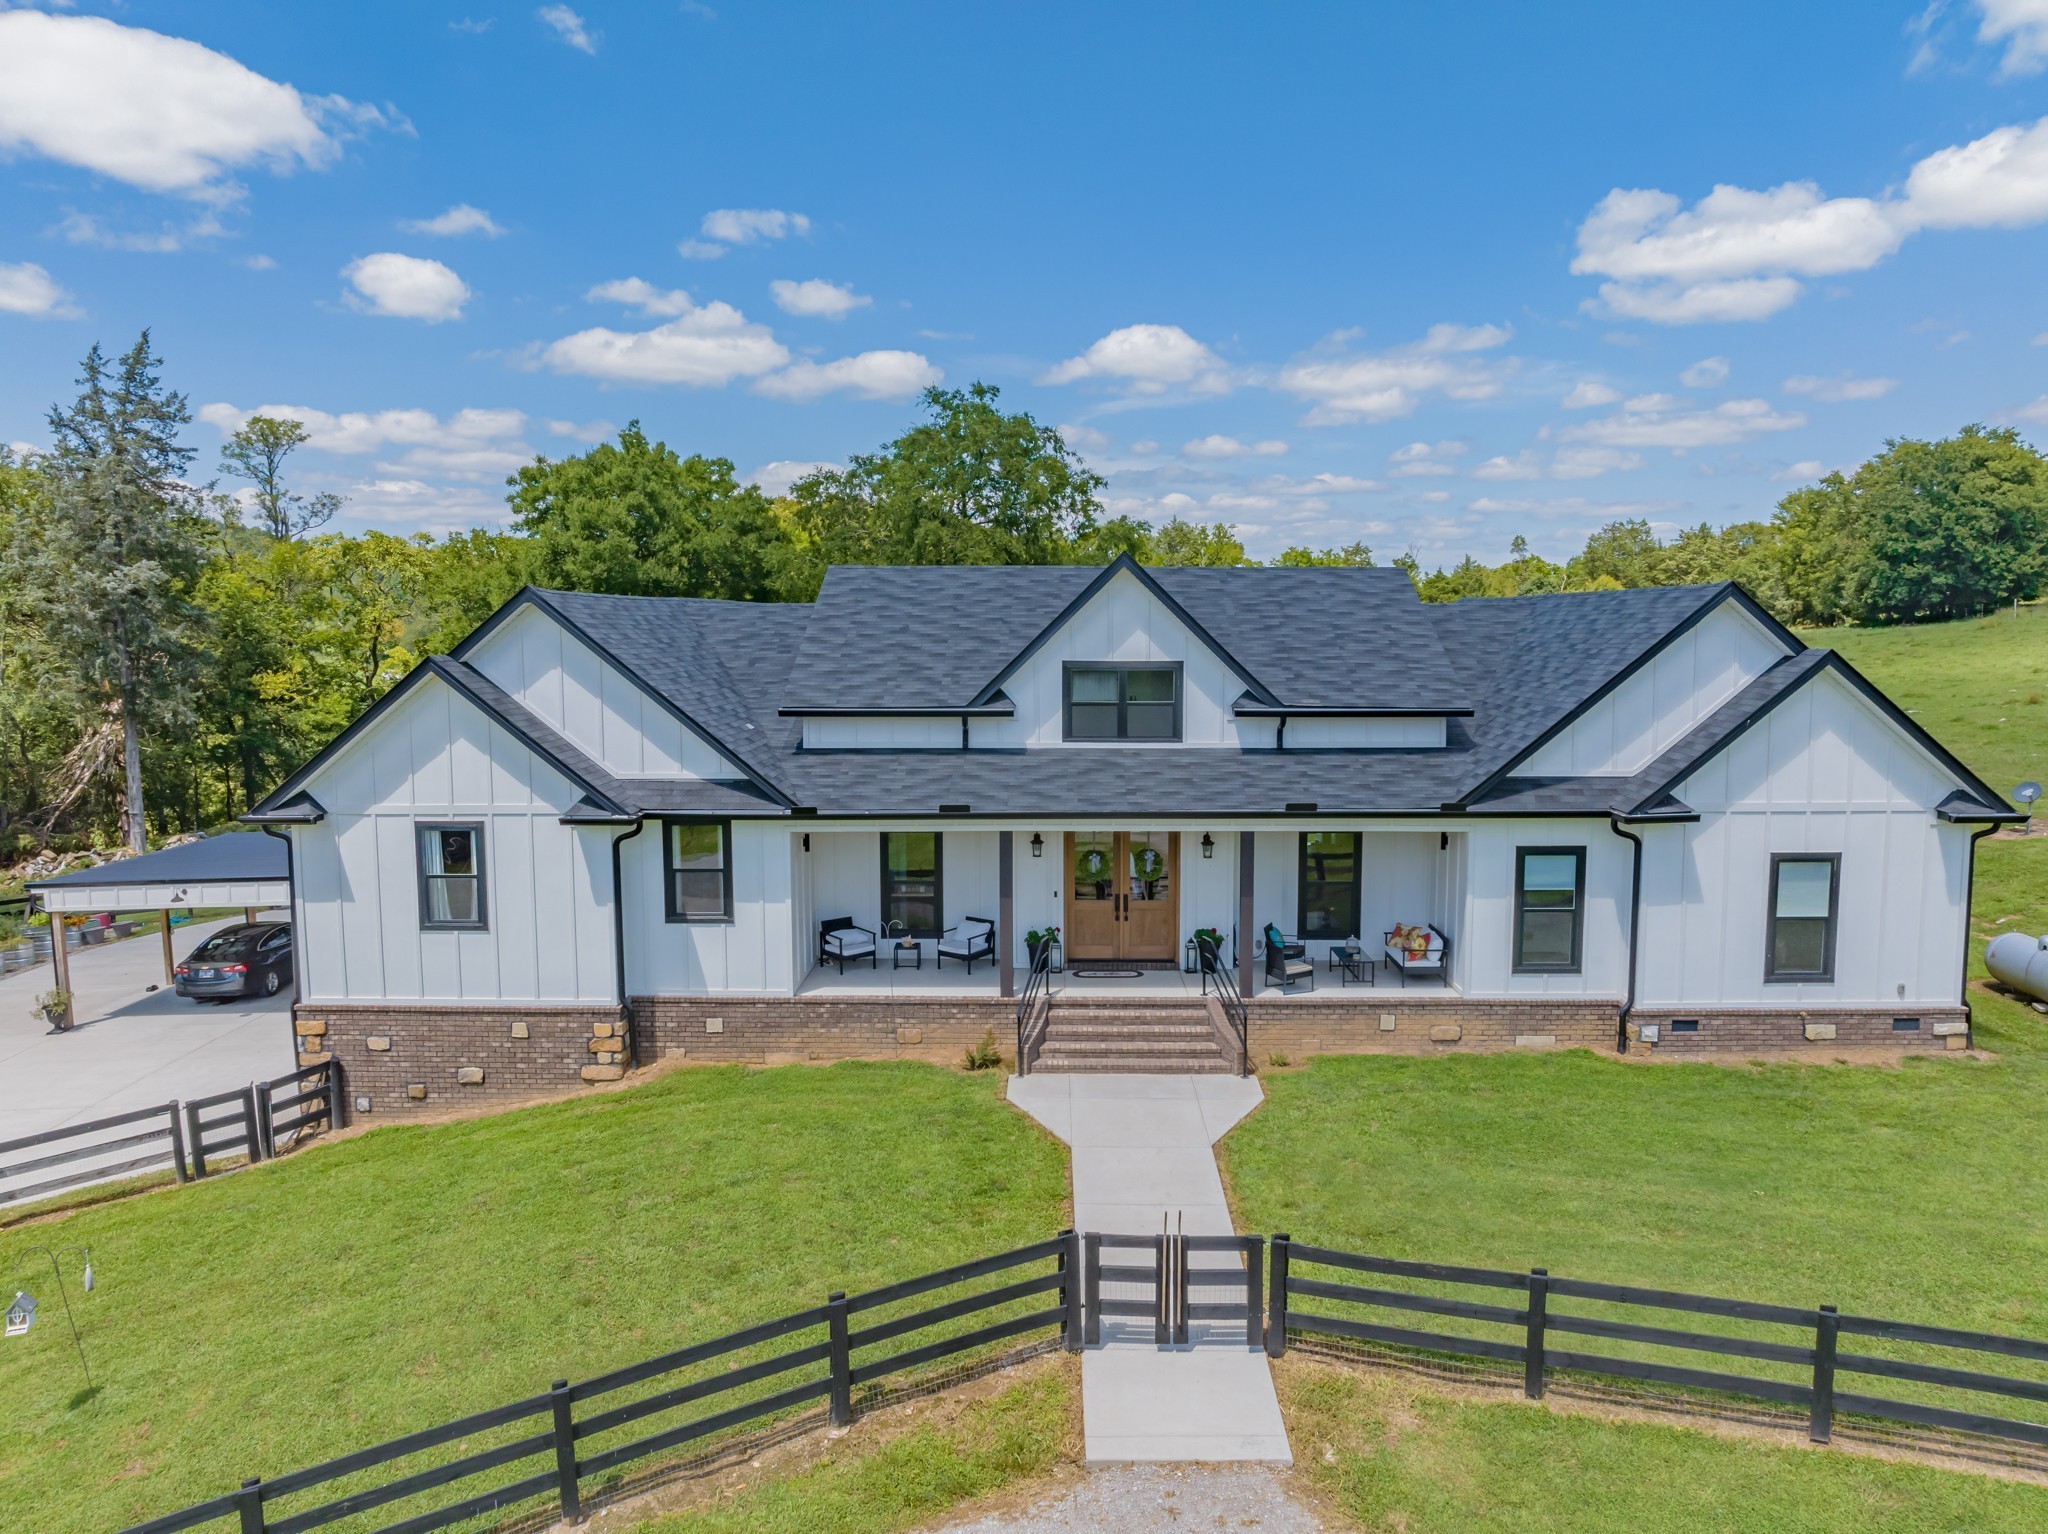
[[1353, 964], [906, 948]]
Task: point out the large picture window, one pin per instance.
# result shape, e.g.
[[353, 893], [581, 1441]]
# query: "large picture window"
[[911, 883], [1122, 702], [698, 865], [1550, 900], [1805, 895], [1329, 884], [451, 869]]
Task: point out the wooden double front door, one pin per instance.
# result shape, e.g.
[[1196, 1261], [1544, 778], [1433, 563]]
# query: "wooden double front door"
[[1123, 894]]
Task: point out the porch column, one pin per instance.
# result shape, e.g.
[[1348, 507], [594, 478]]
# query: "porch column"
[[1244, 913], [60, 960], [170, 965], [1006, 912]]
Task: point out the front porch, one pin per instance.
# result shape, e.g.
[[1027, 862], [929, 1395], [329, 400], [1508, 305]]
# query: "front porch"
[[1127, 899]]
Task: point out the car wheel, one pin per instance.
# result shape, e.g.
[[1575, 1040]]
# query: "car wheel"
[[271, 982]]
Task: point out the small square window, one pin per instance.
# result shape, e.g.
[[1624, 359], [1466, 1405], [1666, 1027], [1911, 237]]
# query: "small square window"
[[451, 874], [698, 859], [1685, 1025], [1905, 1025]]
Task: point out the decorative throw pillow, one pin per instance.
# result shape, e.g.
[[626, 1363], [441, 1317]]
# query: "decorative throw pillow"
[[1398, 938], [1418, 942]]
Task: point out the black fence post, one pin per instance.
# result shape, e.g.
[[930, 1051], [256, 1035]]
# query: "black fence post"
[[178, 1143], [1091, 1289], [1820, 1423], [1255, 1292], [565, 1454], [249, 1506], [1070, 1290], [334, 1113], [252, 1124], [840, 1359], [266, 1117], [1532, 1345], [1162, 1292], [195, 1141], [1276, 1297]]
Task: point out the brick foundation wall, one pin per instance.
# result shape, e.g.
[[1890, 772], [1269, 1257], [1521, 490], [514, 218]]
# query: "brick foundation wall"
[[399, 1059], [1757, 1030], [780, 1030], [1397, 1024]]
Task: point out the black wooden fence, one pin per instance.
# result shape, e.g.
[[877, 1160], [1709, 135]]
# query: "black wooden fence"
[[1801, 1349], [189, 1139], [557, 1441]]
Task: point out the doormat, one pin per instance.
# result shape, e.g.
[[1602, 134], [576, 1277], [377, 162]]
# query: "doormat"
[[1107, 974]]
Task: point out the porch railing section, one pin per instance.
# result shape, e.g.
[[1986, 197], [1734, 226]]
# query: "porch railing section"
[[1034, 1009], [1235, 1013]]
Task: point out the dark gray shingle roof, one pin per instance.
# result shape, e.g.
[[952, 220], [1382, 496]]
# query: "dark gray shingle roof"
[[233, 855]]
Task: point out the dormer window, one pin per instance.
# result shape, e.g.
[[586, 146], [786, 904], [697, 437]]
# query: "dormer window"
[[1123, 702]]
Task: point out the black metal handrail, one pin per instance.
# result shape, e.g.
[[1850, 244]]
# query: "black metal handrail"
[[1230, 999], [1034, 1009]]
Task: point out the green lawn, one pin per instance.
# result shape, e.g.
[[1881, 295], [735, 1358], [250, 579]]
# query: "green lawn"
[[1979, 686], [340, 1297], [1392, 1454]]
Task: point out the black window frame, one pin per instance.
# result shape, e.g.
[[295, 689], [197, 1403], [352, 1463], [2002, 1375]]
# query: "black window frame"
[[1123, 669], [1302, 881], [1577, 964], [475, 828], [1825, 975], [938, 885], [671, 908]]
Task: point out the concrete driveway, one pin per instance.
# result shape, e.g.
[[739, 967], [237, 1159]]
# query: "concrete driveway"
[[132, 1048]]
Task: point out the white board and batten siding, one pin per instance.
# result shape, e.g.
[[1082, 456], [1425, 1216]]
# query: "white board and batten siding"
[[1824, 772], [1486, 965], [752, 954], [592, 702], [436, 757], [1663, 701]]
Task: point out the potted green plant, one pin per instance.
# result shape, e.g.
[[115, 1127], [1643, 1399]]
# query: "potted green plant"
[[54, 1007], [1039, 938]]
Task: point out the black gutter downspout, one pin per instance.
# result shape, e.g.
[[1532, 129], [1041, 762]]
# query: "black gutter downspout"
[[619, 940], [1969, 899], [1280, 735], [1635, 921], [291, 1012]]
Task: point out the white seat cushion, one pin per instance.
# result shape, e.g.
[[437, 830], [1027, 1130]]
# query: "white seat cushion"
[[849, 942]]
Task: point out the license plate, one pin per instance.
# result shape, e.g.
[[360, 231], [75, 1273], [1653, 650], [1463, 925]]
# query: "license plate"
[[206, 974]]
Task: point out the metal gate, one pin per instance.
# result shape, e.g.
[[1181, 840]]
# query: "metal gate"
[[1172, 1291]]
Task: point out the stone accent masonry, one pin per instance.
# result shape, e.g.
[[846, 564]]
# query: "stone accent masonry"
[[1813, 1030], [399, 1059], [396, 1058]]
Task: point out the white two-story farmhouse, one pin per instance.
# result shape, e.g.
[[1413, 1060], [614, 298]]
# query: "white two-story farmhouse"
[[608, 829]]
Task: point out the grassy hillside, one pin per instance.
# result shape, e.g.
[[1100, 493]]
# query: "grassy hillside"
[[1979, 686], [260, 1322]]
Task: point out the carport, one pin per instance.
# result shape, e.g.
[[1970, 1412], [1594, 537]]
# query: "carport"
[[237, 868]]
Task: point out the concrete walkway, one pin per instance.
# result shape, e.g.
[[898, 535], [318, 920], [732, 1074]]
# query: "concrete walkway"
[[1142, 1156]]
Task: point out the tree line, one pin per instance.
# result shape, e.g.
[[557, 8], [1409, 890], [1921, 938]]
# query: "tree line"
[[171, 645]]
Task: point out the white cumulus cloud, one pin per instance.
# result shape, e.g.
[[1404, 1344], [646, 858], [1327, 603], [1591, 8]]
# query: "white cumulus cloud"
[[1423, 458], [1146, 359], [1219, 446], [748, 226], [1586, 394], [1832, 391], [458, 220], [1342, 385], [471, 444], [569, 27], [406, 287], [816, 298], [1658, 420], [705, 347], [161, 113], [26, 288], [1707, 373], [1739, 254], [1800, 472], [1568, 462], [870, 375], [2022, 26], [776, 478], [638, 293]]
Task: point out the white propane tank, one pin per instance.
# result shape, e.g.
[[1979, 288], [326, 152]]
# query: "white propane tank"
[[2020, 961]]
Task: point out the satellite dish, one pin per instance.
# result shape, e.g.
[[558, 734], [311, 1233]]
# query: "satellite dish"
[[2027, 792]]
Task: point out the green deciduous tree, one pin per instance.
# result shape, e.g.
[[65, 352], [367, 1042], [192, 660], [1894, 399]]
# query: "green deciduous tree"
[[637, 519], [1355, 555], [257, 453], [969, 485]]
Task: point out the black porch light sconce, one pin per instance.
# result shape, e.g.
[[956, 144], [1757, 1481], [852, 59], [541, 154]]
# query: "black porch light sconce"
[[1037, 845], [1208, 845]]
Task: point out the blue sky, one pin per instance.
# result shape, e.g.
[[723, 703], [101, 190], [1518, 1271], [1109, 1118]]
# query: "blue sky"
[[1425, 276]]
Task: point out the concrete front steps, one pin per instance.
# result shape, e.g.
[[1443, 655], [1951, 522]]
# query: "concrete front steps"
[[1150, 1038]]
